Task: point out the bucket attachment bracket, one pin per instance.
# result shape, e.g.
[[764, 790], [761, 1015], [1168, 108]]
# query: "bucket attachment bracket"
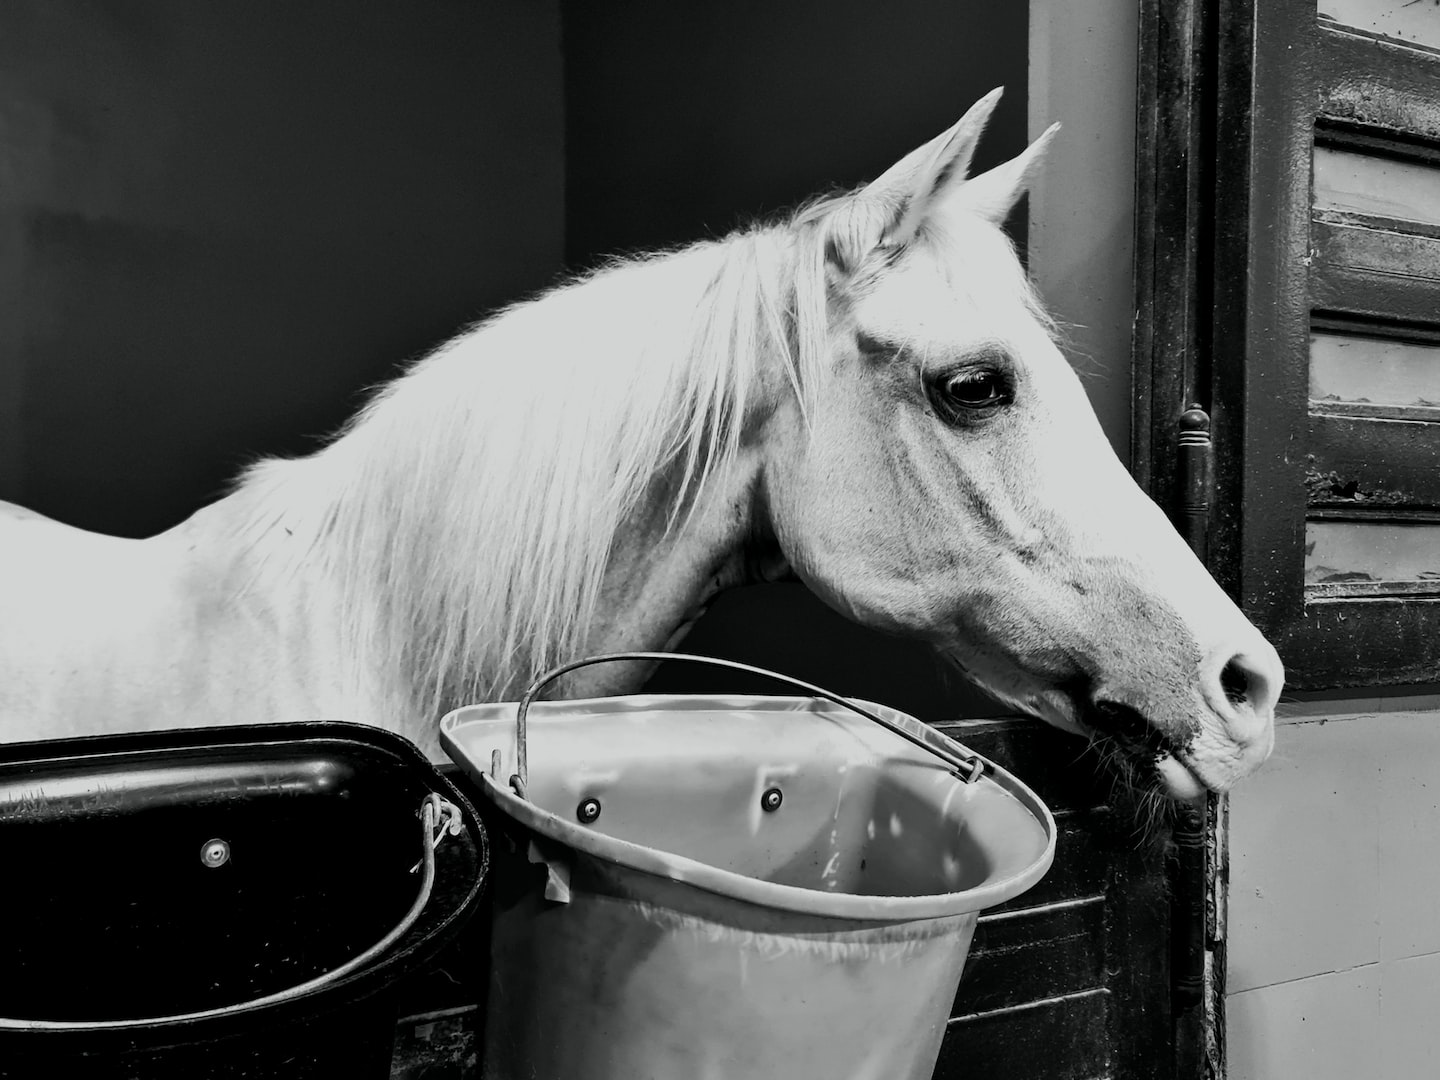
[[444, 820]]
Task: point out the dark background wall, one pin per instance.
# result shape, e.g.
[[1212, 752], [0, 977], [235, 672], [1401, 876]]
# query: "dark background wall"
[[686, 119], [220, 223]]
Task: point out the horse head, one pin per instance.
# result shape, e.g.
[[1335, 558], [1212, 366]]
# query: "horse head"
[[949, 481]]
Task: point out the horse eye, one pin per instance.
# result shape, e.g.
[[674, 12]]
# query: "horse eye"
[[971, 394]]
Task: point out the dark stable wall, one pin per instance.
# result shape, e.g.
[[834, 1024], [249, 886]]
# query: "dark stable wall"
[[219, 223], [684, 120]]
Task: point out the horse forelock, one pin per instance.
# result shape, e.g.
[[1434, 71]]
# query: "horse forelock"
[[975, 258], [466, 516]]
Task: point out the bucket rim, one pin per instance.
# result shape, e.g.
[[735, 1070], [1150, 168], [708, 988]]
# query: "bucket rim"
[[737, 886]]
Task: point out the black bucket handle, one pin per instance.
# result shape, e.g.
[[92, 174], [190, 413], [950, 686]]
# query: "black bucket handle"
[[968, 769], [438, 818]]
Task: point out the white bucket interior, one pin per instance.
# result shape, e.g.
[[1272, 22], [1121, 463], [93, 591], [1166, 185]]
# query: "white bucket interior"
[[861, 813]]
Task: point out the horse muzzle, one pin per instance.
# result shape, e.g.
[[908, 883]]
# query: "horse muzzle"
[[1219, 732]]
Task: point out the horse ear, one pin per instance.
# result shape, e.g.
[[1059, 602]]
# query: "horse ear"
[[890, 209], [993, 194]]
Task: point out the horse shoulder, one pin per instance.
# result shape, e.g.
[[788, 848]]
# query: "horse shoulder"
[[86, 623], [42, 559], [14, 512]]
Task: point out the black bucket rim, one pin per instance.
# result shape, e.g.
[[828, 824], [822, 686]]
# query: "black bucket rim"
[[403, 959]]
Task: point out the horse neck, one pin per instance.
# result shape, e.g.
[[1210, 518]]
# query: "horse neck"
[[661, 579], [451, 578], [272, 559]]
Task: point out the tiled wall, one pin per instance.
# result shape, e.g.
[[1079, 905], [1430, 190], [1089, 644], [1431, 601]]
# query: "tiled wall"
[[1334, 914]]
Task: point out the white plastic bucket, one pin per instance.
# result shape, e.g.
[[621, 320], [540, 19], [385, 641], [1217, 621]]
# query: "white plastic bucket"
[[747, 887]]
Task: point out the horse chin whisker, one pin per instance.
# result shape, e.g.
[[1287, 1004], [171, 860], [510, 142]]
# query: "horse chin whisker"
[[1129, 730], [1127, 761], [1135, 791]]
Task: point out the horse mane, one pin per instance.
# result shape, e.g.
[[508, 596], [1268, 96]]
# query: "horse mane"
[[466, 514]]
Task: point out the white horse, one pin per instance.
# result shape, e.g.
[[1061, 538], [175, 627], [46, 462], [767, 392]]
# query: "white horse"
[[866, 395]]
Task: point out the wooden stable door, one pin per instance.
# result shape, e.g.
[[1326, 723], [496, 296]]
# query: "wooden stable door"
[[1288, 308]]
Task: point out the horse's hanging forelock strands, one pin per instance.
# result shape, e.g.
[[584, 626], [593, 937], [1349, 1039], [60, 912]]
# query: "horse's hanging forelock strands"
[[865, 394]]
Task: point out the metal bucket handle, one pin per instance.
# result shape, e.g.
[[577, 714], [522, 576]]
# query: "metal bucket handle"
[[438, 818], [968, 769]]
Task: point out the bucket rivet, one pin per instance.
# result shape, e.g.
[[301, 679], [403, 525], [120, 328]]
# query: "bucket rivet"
[[215, 853], [771, 800], [588, 811]]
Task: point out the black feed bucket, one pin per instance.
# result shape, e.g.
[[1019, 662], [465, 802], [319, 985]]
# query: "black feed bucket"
[[227, 902]]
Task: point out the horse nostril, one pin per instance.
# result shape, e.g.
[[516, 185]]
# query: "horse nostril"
[[1235, 681], [1249, 684]]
